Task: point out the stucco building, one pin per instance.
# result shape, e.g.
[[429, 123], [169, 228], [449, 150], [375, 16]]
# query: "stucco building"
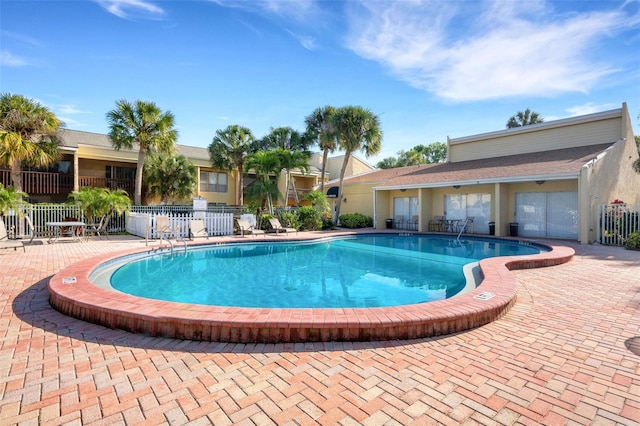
[[546, 179]]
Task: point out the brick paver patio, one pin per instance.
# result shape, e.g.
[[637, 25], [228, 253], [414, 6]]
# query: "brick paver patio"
[[568, 352]]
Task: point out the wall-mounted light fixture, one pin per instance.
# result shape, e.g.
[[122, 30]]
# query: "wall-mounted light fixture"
[[540, 182], [403, 190], [456, 186], [345, 200]]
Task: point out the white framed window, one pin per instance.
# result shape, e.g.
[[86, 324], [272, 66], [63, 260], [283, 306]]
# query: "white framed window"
[[213, 182]]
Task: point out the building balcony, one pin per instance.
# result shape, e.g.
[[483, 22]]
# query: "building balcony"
[[48, 183]]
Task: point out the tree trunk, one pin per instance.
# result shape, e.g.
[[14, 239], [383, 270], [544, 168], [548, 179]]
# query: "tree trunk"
[[239, 185], [325, 155], [138, 189], [16, 174], [347, 155]]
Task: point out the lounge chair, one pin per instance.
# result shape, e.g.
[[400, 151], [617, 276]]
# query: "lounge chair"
[[245, 227], [277, 227], [5, 242], [32, 228], [197, 229], [163, 226]]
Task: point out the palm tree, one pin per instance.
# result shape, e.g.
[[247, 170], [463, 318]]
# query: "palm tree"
[[285, 138], [290, 160], [524, 119], [228, 151], [356, 129], [388, 163], [145, 125], [319, 125], [265, 164], [169, 177], [27, 135], [99, 204], [11, 199]]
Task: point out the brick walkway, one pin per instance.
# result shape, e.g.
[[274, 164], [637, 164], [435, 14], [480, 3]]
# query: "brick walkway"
[[568, 352]]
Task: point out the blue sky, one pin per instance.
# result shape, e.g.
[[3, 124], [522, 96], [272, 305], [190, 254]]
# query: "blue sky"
[[428, 69]]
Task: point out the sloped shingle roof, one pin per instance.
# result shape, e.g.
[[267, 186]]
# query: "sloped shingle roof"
[[556, 162]]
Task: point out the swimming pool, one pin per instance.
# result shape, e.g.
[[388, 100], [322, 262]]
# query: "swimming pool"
[[73, 293], [349, 272]]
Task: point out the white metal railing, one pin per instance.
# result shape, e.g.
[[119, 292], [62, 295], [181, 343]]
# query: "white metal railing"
[[617, 221]]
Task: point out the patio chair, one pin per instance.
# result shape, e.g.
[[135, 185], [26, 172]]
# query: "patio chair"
[[277, 227], [97, 229], [436, 224], [413, 223], [398, 222], [197, 229], [5, 242], [245, 227]]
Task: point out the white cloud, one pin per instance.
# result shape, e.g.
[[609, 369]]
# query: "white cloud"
[[297, 10], [590, 108], [307, 42], [8, 59], [464, 51], [128, 9], [69, 109]]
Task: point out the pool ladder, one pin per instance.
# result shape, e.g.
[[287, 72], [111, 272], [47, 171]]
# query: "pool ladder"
[[167, 238], [464, 225]]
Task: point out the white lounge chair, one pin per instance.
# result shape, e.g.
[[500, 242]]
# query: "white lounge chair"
[[5, 242], [245, 227], [197, 229], [277, 227]]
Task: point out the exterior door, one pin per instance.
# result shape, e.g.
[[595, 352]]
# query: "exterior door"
[[547, 214], [477, 206]]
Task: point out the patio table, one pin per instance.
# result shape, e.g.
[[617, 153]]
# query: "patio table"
[[72, 232]]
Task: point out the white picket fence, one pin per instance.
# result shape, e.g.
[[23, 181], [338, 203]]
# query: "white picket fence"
[[143, 224], [617, 221]]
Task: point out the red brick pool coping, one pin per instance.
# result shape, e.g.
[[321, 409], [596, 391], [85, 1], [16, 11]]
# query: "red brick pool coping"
[[81, 299]]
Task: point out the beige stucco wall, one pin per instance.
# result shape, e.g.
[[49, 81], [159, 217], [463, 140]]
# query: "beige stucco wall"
[[96, 168], [607, 178], [607, 129]]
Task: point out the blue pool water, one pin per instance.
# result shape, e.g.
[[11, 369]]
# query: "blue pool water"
[[362, 271]]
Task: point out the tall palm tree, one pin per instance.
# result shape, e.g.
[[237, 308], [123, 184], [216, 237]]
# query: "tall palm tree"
[[169, 176], [27, 135], [228, 151], [290, 160], [265, 165], [524, 118], [285, 138], [319, 125], [356, 129], [145, 125]]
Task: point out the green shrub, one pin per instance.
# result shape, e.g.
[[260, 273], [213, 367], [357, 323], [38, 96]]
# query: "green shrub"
[[288, 219], [327, 220], [309, 218], [356, 220], [632, 242]]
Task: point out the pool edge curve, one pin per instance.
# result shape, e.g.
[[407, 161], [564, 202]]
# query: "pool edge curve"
[[73, 294]]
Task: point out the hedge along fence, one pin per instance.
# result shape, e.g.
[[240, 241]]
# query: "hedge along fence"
[[617, 221]]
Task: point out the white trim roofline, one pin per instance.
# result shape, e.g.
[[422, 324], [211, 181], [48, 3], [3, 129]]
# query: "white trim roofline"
[[563, 122], [483, 181]]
